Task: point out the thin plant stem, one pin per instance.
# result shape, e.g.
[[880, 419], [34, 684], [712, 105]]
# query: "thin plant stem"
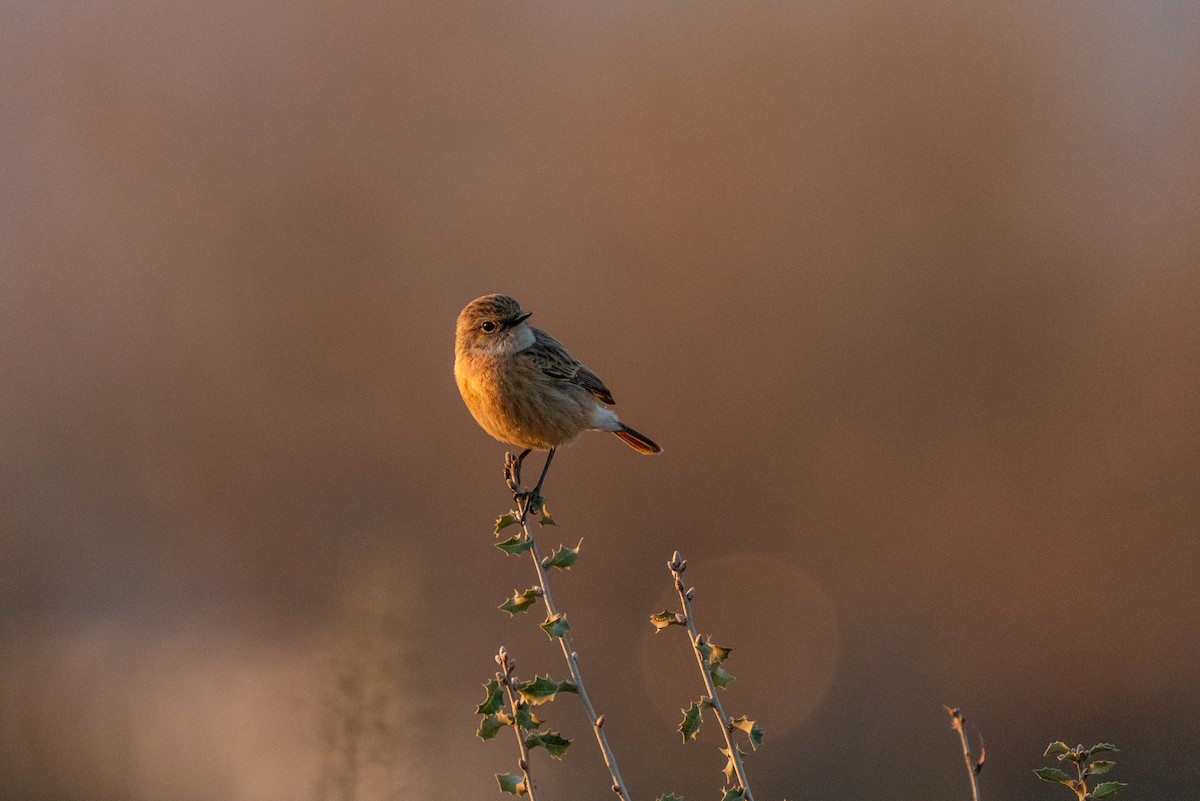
[[525, 503], [677, 565], [507, 679], [956, 723]]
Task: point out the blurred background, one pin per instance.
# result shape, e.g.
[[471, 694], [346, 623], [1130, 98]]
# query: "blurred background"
[[908, 291]]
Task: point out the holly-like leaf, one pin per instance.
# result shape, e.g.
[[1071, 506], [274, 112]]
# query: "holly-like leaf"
[[555, 625], [1107, 789], [563, 557], [512, 784], [1057, 748], [538, 690], [690, 726], [489, 726], [720, 676], [733, 794], [546, 519], [515, 545], [554, 743], [520, 601], [1102, 747], [1100, 766], [663, 619], [719, 654], [525, 717], [730, 764], [504, 521], [1053, 775], [669, 797], [494, 700], [751, 728]]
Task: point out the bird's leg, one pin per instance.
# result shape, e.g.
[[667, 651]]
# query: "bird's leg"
[[512, 470], [536, 498]]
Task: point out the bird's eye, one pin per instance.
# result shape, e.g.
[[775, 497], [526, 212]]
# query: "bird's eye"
[[488, 326]]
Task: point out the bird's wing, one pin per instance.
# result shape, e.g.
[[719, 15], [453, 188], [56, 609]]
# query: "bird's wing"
[[553, 360]]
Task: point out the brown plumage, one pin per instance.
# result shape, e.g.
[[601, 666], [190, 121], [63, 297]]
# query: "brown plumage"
[[523, 387]]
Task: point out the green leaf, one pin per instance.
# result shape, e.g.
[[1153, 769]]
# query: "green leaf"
[[563, 557], [538, 690], [1057, 748], [546, 519], [751, 728], [555, 626], [515, 545], [719, 654], [1107, 789], [489, 726], [494, 700], [733, 794], [504, 521], [1053, 775], [525, 717], [1100, 766], [669, 797], [519, 602], [554, 743], [663, 619], [1099, 748], [730, 764], [690, 726], [512, 784], [720, 676]]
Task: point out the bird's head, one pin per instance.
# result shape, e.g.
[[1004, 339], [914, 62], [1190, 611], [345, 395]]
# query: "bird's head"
[[493, 325]]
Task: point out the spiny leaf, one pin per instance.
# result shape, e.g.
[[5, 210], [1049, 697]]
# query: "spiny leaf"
[[1100, 766], [669, 797], [512, 784], [1101, 747], [663, 619], [690, 726], [489, 726], [493, 701], [555, 625], [546, 519], [525, 717], [1053, 775], [1057, 748], [520, 601], [719, 654], [751, 728], [515, 545], [554, 743], [1107, 789], [504, 521], [720, 676], [730, 764], [538, 690], [563, 557], [733, 794]]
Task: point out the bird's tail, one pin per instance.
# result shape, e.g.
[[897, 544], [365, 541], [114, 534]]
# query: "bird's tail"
[[639, 442]]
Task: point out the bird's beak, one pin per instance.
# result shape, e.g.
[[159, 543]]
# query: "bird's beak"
[[520, 318]]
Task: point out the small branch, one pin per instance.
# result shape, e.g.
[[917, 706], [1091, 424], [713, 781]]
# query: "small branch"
[[956, 723], [526, 502], [677, 565], [507, 680]]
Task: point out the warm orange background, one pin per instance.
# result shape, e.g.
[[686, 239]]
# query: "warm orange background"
[[908, 291]]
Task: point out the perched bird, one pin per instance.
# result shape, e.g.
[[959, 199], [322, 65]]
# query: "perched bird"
[[524, 388]]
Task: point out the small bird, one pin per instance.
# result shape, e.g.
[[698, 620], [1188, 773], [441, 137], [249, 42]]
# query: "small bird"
[[524, 388]]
